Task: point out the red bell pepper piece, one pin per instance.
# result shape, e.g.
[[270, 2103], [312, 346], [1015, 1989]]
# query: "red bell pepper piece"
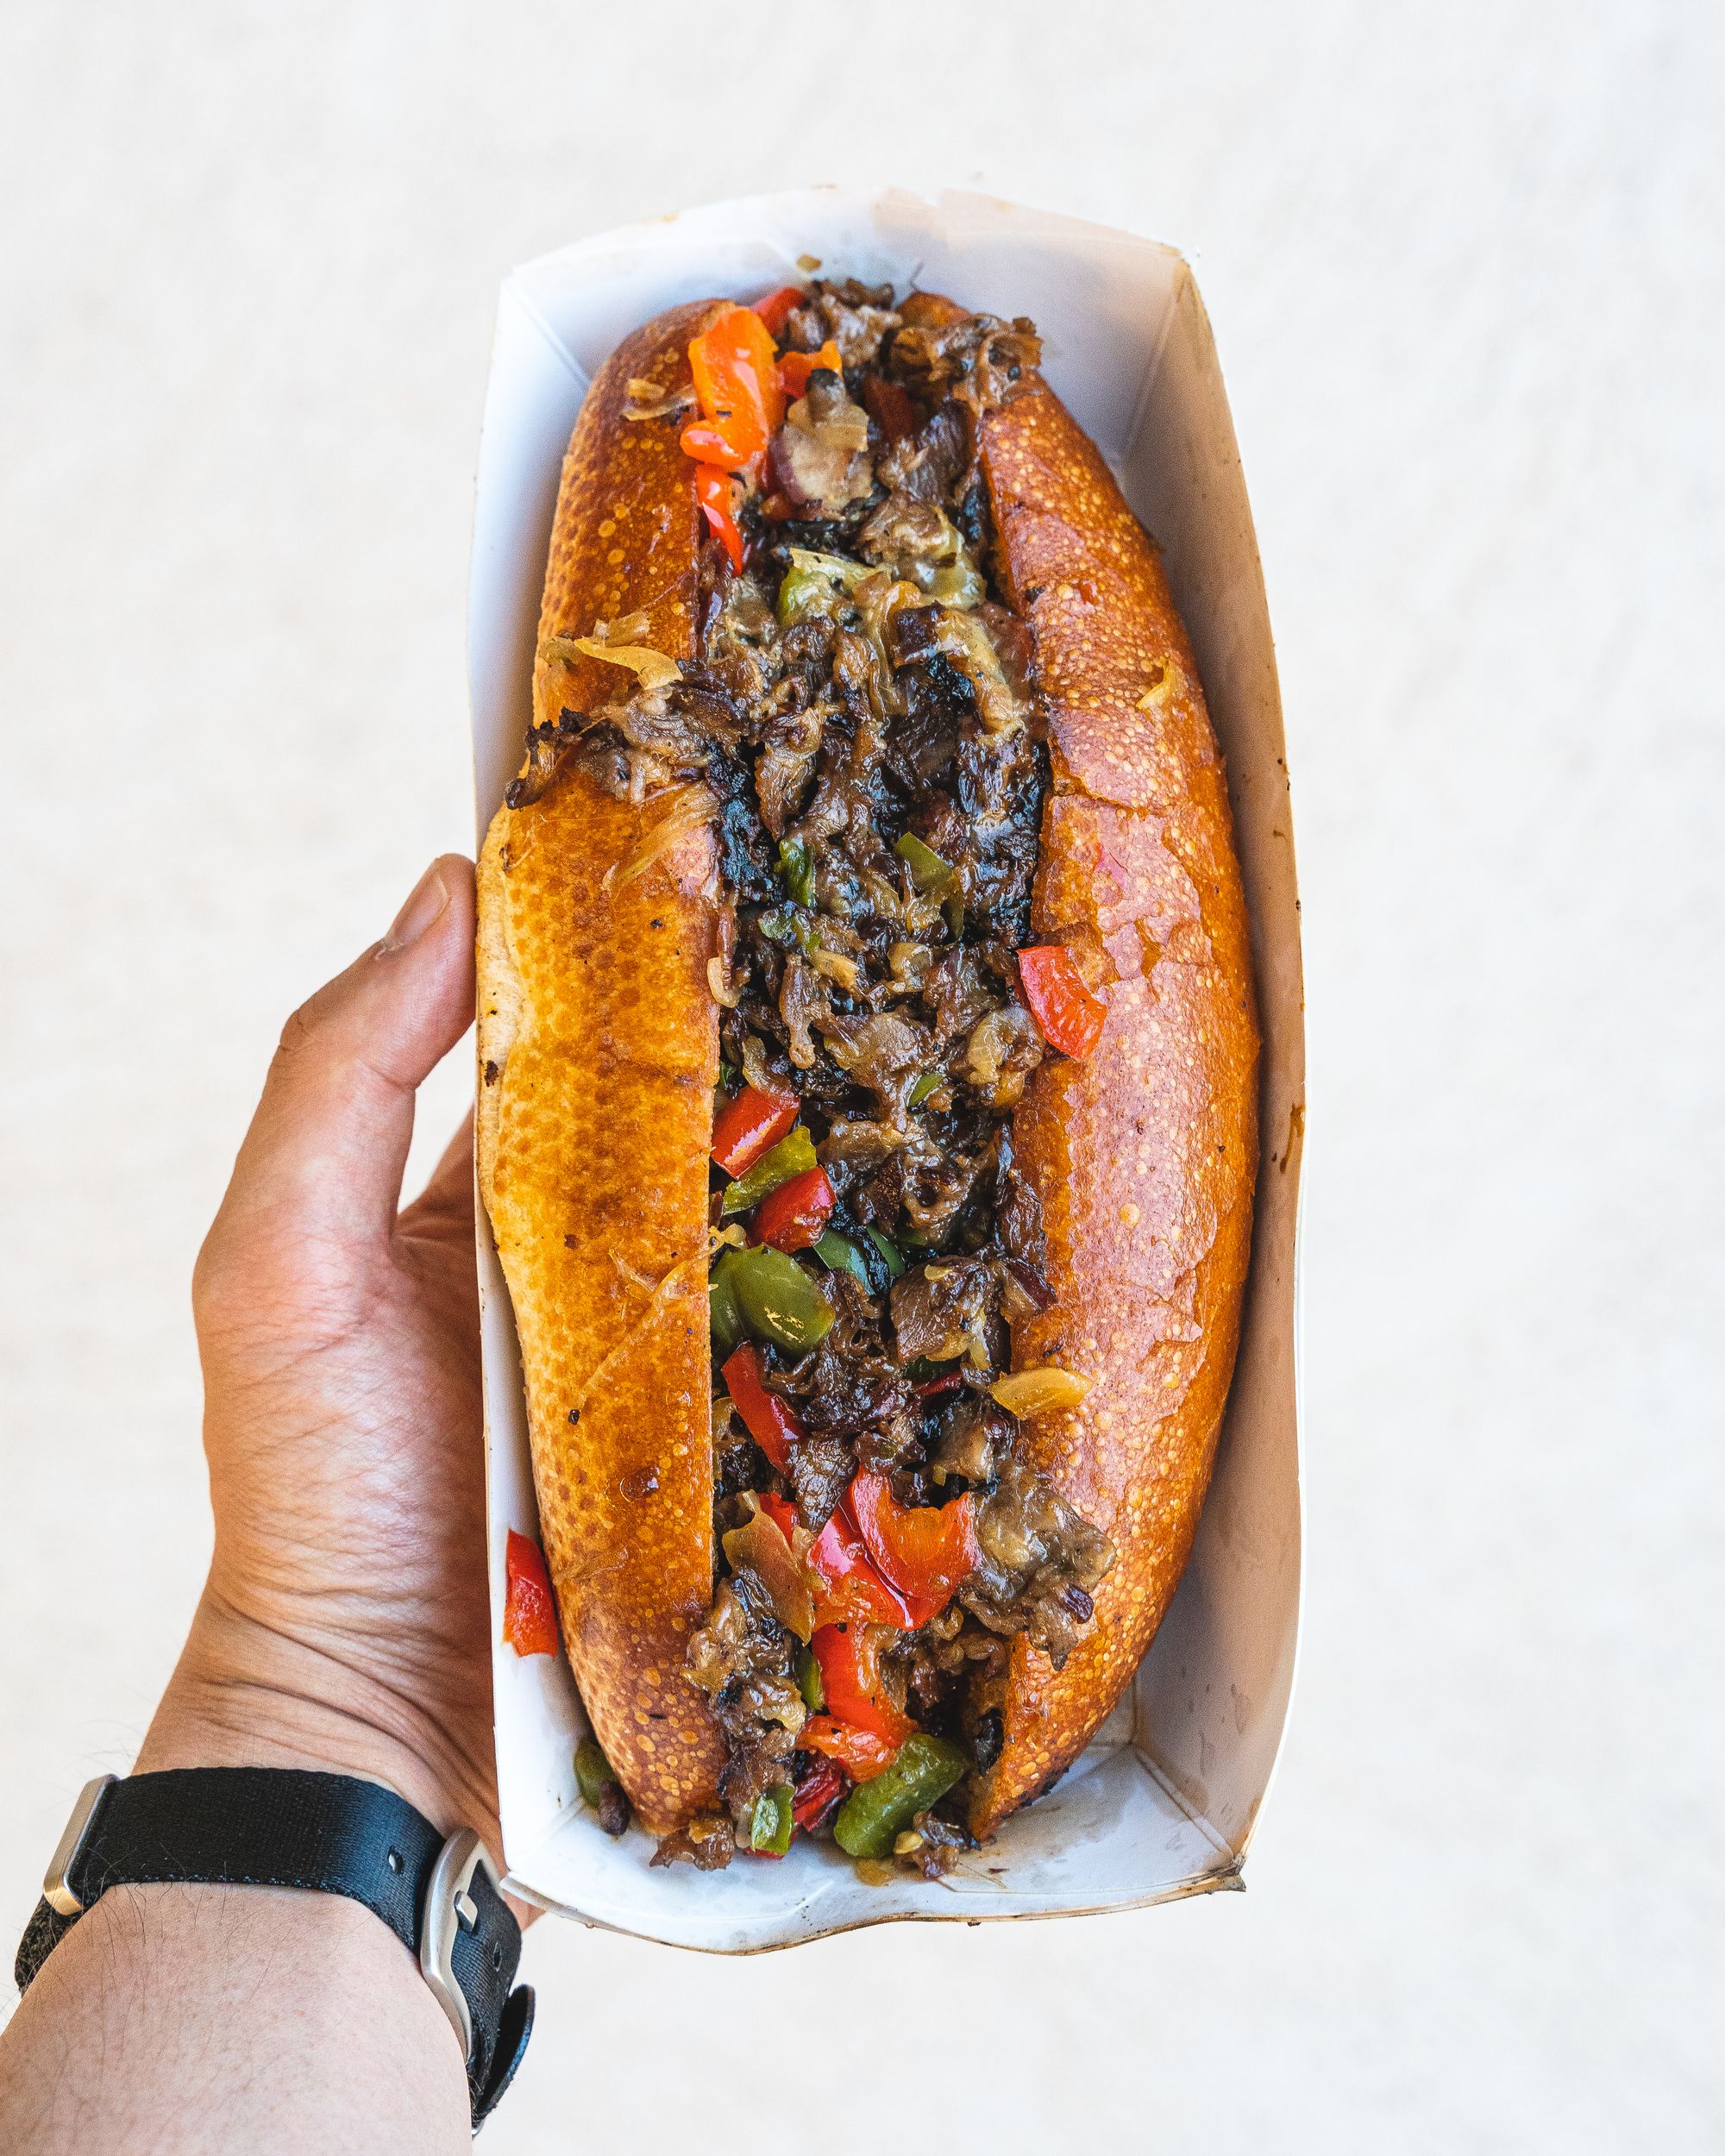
[[795, 367], [780, 1510], [889, 407], [862, 1754], [820, 1790], [935, 1387], [851, 1677], [748, 1123], [530, 1614], [926, 1551], [850, 1587], [707, 442], [1069, 1016], [765, 1416], [718, 500], [777, 308], [736, 368], [847, 1588], [792, 1217]]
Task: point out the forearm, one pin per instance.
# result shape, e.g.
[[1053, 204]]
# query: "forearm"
[[345, 1626], [207, 2018]]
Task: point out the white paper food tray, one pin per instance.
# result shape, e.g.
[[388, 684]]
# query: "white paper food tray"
[[1163, 1802]]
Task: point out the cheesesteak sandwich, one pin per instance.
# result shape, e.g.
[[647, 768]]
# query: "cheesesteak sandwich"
[[867, 1077]]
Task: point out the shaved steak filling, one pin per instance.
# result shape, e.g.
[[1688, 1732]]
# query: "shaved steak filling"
[[863, 725]]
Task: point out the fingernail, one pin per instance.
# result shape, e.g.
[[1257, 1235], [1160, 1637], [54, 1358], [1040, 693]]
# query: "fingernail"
[[426, 903]]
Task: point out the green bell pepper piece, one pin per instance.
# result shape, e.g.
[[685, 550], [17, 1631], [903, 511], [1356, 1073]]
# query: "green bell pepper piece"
[[796, 865], [769, 1829], [840, 1255], [808, 1680], [779, 1301], [928, 871], [593, 1771], [816, 584], [929, 1082], [889, 1253], [729, 1328], [877, 1811], [794, 1155], [787, 924]]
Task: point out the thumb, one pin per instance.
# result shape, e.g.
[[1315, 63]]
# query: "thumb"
[[327, 1146]]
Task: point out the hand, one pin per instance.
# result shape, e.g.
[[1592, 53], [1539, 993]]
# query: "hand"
[[344, 1623]]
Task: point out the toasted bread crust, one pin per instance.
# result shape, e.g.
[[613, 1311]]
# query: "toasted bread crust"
[[598, 1055], [599, 1052], [1144, 1154]]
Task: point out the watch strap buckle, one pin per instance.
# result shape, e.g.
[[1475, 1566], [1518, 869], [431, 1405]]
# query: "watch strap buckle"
[[450, 1909], [58, 1890]]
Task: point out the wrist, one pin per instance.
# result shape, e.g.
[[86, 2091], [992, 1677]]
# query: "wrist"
[[211, 2018], [244, 1694]]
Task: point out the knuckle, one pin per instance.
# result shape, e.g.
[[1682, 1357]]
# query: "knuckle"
[[296, 1032], [212, 1269], [309, 1289], [225, 1288], [304, 1026]]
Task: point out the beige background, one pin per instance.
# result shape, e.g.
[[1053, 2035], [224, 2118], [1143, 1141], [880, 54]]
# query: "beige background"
[[1465, 272]]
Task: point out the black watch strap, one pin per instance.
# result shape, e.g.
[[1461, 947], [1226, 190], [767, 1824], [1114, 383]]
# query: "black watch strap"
[[332, 1833]]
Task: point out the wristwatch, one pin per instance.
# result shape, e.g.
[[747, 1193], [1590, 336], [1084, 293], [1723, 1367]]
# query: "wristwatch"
[[331, 1833]]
